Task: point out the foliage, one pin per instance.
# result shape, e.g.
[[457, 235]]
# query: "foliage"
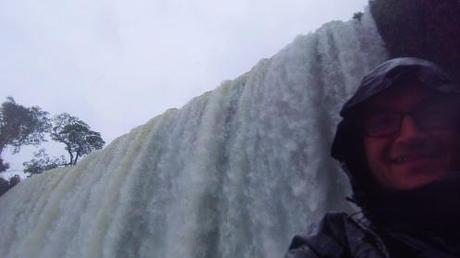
[[21, 126], [6, 185], [358, 16], [42, 162], [76, 135], [3, 166]]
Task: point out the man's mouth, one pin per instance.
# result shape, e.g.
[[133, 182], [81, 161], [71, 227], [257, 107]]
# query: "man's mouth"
[[402, 159]]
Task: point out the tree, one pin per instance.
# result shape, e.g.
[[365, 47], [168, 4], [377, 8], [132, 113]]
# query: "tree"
[[42, 162], [6, 185], [77, 136], [21, 126], [3, 166], [358, 16]]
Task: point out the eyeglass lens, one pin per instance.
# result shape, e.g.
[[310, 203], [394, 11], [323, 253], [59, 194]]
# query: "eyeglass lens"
[[437, 115]]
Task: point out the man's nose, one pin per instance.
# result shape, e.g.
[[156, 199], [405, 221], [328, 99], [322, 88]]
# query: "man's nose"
[[408, 130]]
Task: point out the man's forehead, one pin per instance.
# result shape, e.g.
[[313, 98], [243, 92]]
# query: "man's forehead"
[[402, 95]]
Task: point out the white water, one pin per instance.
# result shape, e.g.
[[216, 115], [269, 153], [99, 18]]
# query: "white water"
[[234, 173]]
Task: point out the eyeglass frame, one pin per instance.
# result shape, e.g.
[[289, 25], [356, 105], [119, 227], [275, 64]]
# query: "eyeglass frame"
[[413, 113]]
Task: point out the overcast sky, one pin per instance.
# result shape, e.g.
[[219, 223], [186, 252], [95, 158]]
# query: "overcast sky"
[[116, 64]]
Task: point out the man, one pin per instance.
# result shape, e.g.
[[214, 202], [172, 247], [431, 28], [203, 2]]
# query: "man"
[[398, 142]]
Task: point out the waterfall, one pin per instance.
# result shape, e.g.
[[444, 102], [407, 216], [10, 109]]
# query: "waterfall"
[[234, 173]]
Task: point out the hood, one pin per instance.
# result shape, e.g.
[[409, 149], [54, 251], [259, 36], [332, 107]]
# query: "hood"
[[346, 147]]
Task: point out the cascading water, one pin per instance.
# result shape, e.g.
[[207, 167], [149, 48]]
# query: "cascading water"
[[234, 173]]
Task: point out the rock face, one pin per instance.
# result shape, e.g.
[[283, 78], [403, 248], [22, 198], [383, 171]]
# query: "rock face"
[[428, 29]]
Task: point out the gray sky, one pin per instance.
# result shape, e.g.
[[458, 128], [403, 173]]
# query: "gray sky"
[[116, 64]]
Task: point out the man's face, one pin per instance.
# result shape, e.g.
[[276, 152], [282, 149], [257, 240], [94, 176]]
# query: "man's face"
[[411, 156]]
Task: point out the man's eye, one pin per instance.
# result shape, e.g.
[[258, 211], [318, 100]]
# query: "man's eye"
[[434, 109], [381, 120], [439, 107], [439, 116]]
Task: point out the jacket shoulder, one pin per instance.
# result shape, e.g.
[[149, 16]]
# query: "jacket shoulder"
[[325, 239], [337, 235]]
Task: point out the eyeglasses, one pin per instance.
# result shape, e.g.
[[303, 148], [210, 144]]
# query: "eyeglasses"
[[433, 115]]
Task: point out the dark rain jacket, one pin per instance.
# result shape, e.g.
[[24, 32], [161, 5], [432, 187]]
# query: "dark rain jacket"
[[339, 235]]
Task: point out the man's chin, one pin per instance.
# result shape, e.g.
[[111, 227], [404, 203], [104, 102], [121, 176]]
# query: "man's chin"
[[408, 185], [416, 177], [415, 173], [431, 205]]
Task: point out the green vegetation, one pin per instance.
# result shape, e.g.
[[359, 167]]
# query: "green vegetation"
[[43, 162], [76, 135], [6, 185], [20, 126], [357, 16]]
